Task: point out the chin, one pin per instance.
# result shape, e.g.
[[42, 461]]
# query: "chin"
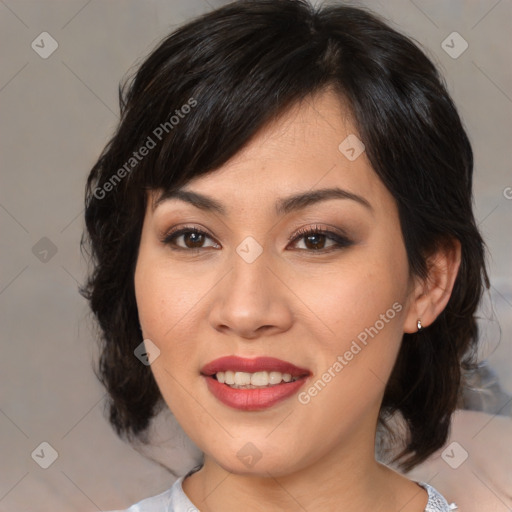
[[249, 461]]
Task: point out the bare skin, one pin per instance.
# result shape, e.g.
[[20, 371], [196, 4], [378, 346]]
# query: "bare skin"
[[301, 301]]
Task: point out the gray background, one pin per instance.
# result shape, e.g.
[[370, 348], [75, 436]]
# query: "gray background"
[[56, 115]]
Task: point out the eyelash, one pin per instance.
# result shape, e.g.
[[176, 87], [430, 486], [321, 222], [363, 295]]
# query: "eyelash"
[[340, 241]]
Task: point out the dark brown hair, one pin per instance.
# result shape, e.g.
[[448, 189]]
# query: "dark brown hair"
[[201, 95]]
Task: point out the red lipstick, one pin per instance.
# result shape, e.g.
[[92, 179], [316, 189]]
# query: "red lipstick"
[[258, 398]]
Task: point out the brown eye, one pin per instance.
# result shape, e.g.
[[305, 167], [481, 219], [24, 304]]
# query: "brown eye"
[[193, 238], [315, 240]]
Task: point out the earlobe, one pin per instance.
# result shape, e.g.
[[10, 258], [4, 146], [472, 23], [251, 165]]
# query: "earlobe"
[[430, 295]]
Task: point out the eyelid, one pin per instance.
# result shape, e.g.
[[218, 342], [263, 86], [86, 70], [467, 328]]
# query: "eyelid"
[[166, 237], [338, 236], [320, 229]]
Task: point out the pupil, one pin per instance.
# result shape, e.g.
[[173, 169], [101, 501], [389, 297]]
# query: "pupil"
[[310, 238], [194, 243]]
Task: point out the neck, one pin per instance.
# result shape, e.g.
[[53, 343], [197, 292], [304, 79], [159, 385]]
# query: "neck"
[[337, 481]]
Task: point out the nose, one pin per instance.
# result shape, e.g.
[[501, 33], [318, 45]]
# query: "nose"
[[251, 300]]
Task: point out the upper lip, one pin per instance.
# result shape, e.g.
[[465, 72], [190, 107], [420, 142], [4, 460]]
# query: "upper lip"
[[257, 364]]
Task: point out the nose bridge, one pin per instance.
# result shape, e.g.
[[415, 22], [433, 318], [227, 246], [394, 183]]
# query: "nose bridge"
[[250, 296], [249, 285]]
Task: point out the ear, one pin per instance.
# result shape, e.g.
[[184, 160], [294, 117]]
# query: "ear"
[[430, 295]]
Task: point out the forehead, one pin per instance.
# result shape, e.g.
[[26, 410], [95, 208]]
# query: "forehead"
[[303, 149]]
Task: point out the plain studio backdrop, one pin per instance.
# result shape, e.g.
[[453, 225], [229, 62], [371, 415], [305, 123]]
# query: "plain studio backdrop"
[[61, 65]]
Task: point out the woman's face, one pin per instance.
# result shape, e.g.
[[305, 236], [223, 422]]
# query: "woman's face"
[[254, 285]]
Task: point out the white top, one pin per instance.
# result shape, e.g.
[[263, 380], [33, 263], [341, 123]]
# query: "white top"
[[175, 500]]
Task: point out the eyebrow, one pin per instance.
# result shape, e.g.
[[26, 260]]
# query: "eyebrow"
[[282, 207]]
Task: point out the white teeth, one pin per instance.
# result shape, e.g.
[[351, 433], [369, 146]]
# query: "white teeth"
[[251, 380], [275, 377], [242, 378], [259, 379]]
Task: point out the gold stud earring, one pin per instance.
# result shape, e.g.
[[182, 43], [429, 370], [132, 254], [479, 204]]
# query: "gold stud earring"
[[419, 325]]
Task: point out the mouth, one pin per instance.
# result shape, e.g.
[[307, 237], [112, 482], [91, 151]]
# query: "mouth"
[[253, 384], [245, 380]]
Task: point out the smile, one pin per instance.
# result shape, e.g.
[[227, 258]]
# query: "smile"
[[253, 384], [244, 380]]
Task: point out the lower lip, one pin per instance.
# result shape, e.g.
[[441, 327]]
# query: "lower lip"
[[253, 399]]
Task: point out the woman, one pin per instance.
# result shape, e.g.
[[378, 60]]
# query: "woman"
[[285, 255]]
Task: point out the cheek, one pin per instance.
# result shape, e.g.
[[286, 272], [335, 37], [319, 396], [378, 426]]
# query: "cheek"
[[357, 293], [148, 294], [167, 303], [361, 309], [162, 305], [364, 310]]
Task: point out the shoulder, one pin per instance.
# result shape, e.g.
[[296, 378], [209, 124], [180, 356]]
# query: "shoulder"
[[481, 479], [171, 500], [436, 501]]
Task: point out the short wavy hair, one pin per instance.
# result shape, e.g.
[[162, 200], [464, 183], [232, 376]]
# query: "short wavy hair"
[[201, 95]]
